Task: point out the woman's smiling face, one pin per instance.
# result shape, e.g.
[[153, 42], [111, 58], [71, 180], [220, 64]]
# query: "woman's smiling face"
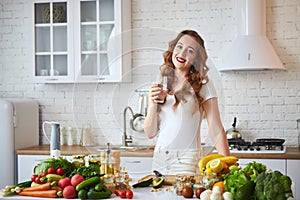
[[184, 53]]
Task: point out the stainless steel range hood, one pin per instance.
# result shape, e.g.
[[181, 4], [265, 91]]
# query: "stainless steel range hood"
[[251, 50]]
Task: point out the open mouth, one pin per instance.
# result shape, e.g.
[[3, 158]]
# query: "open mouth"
[[180, 60]]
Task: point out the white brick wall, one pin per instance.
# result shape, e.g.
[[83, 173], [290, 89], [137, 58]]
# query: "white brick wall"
[[266, 103]]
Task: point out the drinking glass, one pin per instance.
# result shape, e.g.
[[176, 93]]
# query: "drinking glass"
[[162, 82]]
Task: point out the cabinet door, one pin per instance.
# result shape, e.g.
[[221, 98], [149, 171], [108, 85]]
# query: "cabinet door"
[[52, 41], [293, 173], [99, 28], [137, 167], [26, 165], [273, 164]]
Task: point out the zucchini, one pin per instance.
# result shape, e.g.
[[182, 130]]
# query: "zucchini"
[[88, 183], [51, 178], [99, 195], [144, 183], [24, 184]]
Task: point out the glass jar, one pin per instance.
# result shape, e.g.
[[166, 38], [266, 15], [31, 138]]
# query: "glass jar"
[[94, 159], [78, 160], [209, 178], [182, 180], [120, 180], [109, 182]]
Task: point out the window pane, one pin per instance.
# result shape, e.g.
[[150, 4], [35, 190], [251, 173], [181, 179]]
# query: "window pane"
[[106, 10], [89, 64], [88, 11]]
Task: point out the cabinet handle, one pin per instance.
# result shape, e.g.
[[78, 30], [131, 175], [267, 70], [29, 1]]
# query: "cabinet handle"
[[51, 79], [134, 161]]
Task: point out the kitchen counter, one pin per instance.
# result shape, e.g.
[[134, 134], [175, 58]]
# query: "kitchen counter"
[[82, 150], [138, 193], [291, 152]]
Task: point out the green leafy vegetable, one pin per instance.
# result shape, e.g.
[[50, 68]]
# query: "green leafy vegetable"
[[253, 169], [235, 179], [55, 163], [240, 182], [88, 171], [272, 186]]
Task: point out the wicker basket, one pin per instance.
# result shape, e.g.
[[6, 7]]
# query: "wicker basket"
[[58, 14]]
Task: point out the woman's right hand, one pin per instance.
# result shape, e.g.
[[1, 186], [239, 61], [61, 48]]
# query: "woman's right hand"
[[157, 94]]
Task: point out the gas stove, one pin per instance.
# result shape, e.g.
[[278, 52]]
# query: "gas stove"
[[264, 145]]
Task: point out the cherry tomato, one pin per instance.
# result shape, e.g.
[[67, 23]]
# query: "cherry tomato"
[[121, 193], [60, 171], [43, 174], [51, 170], [33, 177], [129, 194], [38, 180]]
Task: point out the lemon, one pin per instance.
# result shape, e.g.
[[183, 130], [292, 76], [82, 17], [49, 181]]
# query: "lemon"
[[216, 165]]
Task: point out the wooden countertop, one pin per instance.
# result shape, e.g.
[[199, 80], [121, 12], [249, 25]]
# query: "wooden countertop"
[[291, 152], [82, 150]]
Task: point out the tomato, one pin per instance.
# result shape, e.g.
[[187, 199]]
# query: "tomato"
[[129, 194], [121, 193], [38, 180], [60, 171], [33, 177], [64, 182], [43, 174], [69, 192], [76, 179], [51, 170]]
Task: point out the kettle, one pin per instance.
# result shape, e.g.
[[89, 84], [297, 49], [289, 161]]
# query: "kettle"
[[54, 139], [233, 133], [137, 120]]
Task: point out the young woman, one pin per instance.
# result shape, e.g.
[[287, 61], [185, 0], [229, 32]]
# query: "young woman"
[[189, 97]]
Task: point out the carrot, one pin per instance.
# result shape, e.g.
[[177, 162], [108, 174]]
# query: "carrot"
[[40, 193], [45, 186]]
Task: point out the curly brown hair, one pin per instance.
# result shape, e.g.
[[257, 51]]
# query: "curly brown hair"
[[197, 75]]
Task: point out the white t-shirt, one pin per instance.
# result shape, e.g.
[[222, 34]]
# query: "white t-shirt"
[[180, 128]]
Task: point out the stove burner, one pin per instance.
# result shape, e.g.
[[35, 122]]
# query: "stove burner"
[[260, 145]]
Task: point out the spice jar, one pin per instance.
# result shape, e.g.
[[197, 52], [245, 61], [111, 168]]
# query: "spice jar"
[[78, 160]]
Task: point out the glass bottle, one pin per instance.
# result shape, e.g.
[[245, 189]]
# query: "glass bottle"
[[78, 160]]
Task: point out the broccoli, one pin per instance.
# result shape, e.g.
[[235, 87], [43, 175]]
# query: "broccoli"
[[272, 186]]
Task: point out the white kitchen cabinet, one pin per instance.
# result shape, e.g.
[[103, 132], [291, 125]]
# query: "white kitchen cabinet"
[[273, 164], [82, 41], [137, 167], [293, 173], [26, 165]]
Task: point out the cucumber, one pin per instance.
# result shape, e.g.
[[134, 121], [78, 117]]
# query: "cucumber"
[[88, 183], [99, 195], [99, 187], [82, 194]]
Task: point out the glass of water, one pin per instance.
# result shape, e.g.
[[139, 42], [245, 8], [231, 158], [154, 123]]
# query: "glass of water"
[[162, 82]]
